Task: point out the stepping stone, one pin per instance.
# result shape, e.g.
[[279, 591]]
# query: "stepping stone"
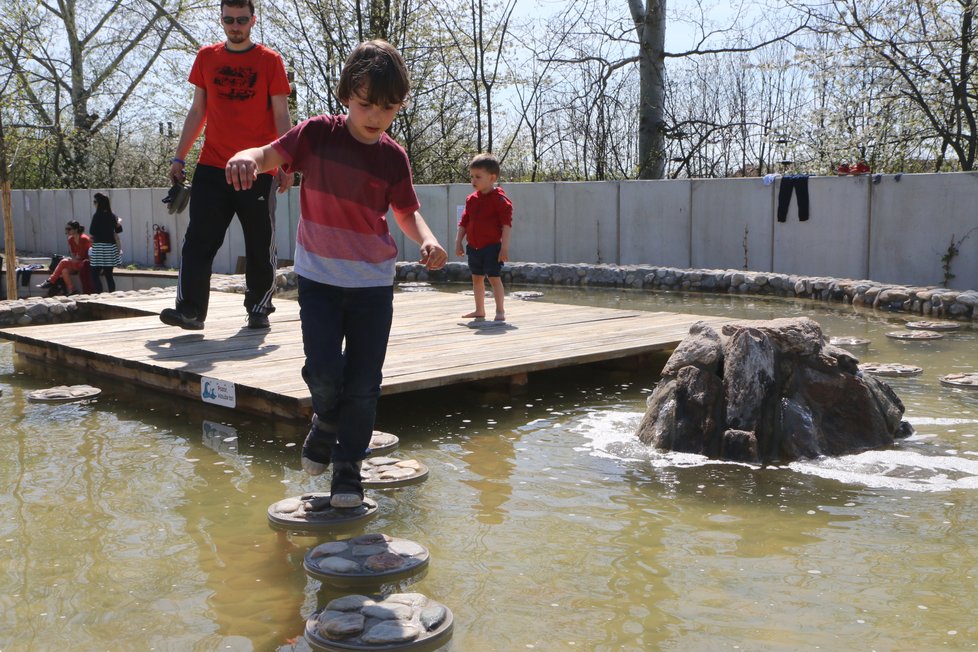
[[313, 513], [966, 381], [914, 335], [933, 325], [848, 341], [418, 286], [523, 295], [63, 393], [400, 621], [890, 369], [471, 293], [391, 472], [382, 442], [367, 560]]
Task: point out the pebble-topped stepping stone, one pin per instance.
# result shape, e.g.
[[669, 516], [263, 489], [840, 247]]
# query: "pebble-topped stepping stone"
[[401, 621], [890, 369], [933, 325], [523, 295], [313, 513], [471, 293], [382, 442], [63, 393], [370, 559], [966, 381], [914, 335], [415, 286], [848, 341], [389, 472]]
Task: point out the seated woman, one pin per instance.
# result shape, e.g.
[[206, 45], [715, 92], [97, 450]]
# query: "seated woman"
[[79, 244]]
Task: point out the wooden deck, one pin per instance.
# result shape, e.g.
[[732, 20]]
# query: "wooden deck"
[[430, 345]]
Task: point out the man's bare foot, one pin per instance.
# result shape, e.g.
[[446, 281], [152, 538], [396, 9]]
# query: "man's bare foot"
[[473, 315], [500, 316]]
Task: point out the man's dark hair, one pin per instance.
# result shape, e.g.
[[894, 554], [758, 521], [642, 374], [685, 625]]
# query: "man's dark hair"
[[486, 162], [239, 3], [379, 66]]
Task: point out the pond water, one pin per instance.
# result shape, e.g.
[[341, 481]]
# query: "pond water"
[[138, 521]]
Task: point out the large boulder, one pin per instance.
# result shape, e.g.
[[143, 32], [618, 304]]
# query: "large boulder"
[[768, 391]]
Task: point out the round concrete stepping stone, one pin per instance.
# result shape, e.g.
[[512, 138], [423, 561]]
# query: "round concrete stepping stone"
[[966, 381], [390, 472], [415, 286], [892, 369], [63, 393], [382, 442], [848, 341], [914, 335], [312, 513], [933, 325], [367, 560], [401, 621], [523, 295], [471, 293]]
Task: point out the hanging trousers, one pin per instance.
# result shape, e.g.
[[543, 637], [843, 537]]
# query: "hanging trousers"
[[798, 183]]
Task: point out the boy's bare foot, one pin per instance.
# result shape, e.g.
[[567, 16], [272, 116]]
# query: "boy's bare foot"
[[473, 315], [500, 316]]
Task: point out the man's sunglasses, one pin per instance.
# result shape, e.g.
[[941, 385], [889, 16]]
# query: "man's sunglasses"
[[230, 20]]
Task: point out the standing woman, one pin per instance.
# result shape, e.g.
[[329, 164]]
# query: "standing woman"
[[106, 248], [79, 244]]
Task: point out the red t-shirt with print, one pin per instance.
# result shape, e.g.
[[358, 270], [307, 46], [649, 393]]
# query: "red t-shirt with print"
[[240, 87]]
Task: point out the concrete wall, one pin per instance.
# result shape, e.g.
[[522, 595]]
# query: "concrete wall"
[[891, 229]]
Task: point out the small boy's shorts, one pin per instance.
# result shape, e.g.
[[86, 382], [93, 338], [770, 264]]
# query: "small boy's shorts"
[[485, 261]]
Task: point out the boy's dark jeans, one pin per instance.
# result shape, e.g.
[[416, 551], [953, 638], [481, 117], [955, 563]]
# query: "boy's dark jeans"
[[344, 336]]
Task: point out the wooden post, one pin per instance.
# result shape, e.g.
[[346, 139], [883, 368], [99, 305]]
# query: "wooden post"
[[9, 244]]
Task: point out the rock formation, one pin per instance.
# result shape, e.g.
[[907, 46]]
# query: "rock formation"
[[768, 391]]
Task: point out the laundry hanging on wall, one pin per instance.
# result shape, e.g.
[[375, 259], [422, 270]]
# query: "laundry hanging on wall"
[[799, 184]]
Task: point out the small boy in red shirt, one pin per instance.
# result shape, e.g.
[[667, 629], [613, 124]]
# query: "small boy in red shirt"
[[486, 225]]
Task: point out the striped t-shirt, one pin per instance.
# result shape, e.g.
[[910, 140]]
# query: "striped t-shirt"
[[347, 188]]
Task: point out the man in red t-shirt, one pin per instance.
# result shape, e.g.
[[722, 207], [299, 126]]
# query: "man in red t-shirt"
[[485, 226], [242, 96]]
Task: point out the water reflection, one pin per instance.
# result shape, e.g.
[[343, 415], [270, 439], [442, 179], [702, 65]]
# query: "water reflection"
[[490, 458], [137, 521]]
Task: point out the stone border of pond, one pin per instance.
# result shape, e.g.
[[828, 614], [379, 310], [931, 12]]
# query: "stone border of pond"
[[932, 301]]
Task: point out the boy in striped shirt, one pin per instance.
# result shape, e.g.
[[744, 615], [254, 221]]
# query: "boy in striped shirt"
[[353, 171]]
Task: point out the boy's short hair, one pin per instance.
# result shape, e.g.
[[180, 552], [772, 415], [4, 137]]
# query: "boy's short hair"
[[380, 66], [486, 162], [239, 3]]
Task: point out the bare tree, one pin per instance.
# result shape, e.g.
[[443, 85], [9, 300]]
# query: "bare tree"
[[930, 49], [479, 38], [644, 31], [79, 68]]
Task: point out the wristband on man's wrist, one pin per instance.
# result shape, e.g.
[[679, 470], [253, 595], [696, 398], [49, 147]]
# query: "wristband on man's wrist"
[[178, 160]]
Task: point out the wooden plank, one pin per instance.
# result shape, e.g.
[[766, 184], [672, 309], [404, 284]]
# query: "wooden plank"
[[429, 347]]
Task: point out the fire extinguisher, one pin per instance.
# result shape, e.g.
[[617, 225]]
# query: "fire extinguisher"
[[161, 244]]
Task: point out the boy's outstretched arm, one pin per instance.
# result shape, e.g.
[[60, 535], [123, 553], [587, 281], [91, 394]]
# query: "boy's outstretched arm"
[[244, 167], [433, 255]]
